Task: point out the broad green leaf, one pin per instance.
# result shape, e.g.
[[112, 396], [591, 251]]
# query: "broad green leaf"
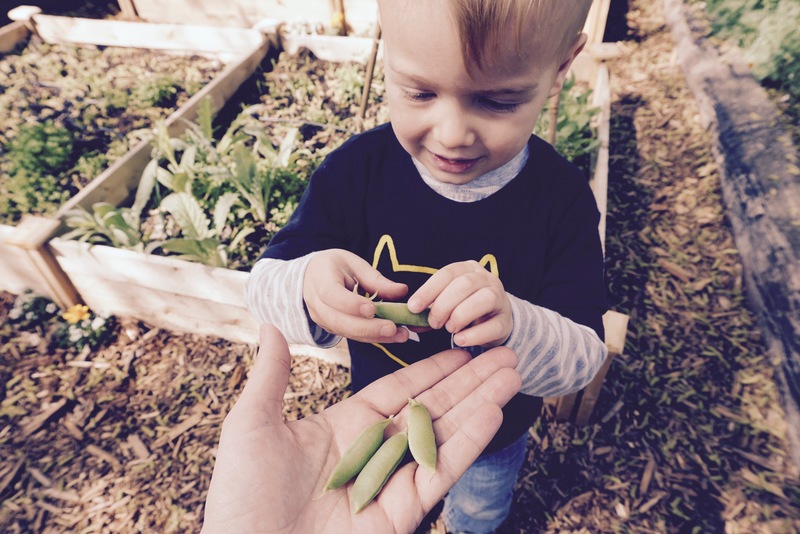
[[287, 147], [188, 214], [222, 209], [239, 237], [205, 117], [145, 188]]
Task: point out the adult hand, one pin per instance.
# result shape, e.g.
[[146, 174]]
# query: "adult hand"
[[269, 474], [332, 304], [468, 301]]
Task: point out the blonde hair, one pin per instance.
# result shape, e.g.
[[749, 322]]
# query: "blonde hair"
[[551, 26]]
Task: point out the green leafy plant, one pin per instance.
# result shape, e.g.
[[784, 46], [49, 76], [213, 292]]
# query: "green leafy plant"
[[200, 198], [575, 132], [36, 156]]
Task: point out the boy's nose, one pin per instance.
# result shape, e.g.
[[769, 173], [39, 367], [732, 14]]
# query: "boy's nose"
[[452, 129]]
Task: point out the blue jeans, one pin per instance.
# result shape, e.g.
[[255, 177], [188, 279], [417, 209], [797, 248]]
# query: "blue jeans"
[[481, 499]]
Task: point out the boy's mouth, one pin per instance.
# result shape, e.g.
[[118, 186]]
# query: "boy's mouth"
[[456, 166]]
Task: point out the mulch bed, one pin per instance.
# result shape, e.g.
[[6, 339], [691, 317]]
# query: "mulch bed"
[[688, 433]]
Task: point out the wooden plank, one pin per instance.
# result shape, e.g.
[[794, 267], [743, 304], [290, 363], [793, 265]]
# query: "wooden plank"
[[27, 263], [361, 14], [17, 271], [11, 35], [565, 405], [169, 293], [127, 9], [615, 325], [331, 47], [601, 98], [89, 265], [595, 25], [238, 13], [172, 311], [166, 37]]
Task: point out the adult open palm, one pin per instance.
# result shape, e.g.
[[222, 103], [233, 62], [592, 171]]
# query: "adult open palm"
[[269, 474]]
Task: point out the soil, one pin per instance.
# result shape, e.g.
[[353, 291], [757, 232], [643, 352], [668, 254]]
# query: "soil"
[[688, 434]]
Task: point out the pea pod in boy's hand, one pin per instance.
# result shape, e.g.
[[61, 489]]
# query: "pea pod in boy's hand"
[[398, 313]]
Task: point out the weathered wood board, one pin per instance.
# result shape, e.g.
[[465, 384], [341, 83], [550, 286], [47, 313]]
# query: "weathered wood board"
[[167, 292]]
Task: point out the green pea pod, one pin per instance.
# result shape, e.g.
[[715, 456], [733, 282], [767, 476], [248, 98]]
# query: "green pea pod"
[[380, 467], [357, 455], [398, 313], [421, 439]]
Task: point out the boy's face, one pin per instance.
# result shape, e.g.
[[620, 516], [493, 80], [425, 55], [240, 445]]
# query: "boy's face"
[[459, 126]]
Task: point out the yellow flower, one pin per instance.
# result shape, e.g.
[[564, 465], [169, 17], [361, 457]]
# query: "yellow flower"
[[76, 314]]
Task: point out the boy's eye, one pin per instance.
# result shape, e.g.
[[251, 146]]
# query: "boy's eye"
[[499, 107], [418, 96]]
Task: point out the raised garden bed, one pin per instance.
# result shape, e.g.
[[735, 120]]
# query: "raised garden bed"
[[759, 171], [173, 293], [26, 262]]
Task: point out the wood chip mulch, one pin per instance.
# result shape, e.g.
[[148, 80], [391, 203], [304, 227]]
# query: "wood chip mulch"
[[688, 434]]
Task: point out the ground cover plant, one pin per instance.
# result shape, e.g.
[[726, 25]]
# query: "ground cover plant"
[[68, 111]]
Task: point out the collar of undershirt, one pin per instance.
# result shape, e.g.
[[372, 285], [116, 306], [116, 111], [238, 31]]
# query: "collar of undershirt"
[[482, 186]]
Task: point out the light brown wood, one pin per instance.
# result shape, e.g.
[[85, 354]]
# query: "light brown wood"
[[370, 72], [169, 293], [17, 271], [565, 405], [601, 98], [596, 20], [11, 35], [616, 327], [127, 9], [212, 41]]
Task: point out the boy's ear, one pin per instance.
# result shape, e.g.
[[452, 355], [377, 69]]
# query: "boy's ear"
[[563, 69]]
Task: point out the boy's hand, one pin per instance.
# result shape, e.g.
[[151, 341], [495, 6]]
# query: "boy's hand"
[[468, 301], [332, 304]]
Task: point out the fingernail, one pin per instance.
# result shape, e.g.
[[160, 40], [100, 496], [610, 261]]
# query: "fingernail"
[[367, 310], [387, 331], [413, 305]]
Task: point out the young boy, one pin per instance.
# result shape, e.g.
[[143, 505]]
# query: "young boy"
[[457, 208]]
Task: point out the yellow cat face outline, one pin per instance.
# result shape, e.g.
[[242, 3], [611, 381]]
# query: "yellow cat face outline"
[[386, 243]]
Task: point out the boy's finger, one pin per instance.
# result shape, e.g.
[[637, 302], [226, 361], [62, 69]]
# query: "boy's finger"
[[356, 327], [371, 281]]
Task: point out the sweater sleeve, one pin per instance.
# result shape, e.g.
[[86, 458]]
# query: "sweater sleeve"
[[556, 355], [274, 295]]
